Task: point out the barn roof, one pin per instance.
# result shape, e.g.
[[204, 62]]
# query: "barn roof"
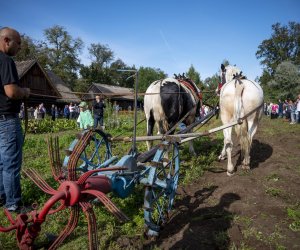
[[65, 92], [121, 92], [24, 66]]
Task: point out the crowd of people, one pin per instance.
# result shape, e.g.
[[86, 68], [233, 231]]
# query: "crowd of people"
[[71, 111], [288, 109]]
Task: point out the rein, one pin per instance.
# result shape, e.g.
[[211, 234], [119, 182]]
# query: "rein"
[[241, 119]]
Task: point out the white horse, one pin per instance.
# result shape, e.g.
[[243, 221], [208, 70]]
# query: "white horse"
[[238, 98]]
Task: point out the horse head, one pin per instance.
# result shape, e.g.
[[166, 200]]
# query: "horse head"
[[228, 73]]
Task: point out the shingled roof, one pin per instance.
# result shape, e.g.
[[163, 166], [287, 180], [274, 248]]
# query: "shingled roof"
[[115, 91], [24, 66], [65, 92]]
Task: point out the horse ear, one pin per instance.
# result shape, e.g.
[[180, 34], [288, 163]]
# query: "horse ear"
[[222, 67]]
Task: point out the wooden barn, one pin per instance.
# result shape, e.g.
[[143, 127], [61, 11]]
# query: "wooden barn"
[[45, 86], [32, 76], [124, 97]]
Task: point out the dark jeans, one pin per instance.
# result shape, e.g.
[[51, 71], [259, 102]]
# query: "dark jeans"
[[11, 141], [98, 119]]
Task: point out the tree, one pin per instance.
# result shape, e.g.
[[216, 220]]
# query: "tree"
[[28, 49], [148, 75], [194, 76], [286, 82], [93, 73], [122, 78], [31, 49], [63, 53], [283, 45], [210, 85], [101, 54]]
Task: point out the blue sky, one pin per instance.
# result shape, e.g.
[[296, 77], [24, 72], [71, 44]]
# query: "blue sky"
[[164, 34]]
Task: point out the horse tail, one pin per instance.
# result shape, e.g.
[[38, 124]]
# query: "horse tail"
[[241, 129]]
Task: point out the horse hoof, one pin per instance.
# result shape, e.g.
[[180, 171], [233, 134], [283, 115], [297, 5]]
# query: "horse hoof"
[[230, 173], [221, 158], [246, 167]]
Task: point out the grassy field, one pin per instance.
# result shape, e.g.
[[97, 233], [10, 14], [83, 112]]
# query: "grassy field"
[[36, 156]]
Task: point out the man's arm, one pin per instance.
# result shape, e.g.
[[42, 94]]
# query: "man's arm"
[[13, 91]]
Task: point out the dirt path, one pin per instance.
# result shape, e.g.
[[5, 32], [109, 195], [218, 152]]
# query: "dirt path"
[[246, 211]]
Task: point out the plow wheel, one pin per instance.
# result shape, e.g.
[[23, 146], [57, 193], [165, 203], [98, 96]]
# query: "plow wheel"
[[161, 189], [96, 152]]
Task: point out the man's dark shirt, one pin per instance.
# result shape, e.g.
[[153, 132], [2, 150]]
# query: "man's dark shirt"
[[280, 107], [8, 75], [98, 108]]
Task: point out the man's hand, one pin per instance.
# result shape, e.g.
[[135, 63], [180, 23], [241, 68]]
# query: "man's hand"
[[13, 91]]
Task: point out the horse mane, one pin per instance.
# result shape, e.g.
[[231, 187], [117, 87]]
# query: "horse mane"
[[231, 71], [182, 77], [239, 76]]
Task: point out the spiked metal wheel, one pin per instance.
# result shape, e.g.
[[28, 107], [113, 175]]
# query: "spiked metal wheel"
[[96, 152], [161, 187]]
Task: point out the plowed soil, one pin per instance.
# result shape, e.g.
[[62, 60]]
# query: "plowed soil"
[[246, 211]]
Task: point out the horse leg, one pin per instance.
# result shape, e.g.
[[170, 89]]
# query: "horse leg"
[[150, 125], [228, 148], [252, 125], [222, 156], [192, 149]]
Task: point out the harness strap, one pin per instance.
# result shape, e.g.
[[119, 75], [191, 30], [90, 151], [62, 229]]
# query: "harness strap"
[[194, 91], [241, 119]]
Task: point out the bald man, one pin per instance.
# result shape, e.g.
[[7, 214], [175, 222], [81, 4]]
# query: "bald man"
[[11, 136]]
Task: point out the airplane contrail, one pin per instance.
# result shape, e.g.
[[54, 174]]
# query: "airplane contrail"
[[168, 47]]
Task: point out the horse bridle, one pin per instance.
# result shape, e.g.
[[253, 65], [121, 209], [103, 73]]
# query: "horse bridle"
[[223, 78]]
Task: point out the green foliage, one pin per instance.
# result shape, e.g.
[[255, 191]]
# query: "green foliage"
[[210, 85], [195, 76], [148, 75], [101, 54], [286, 82], [94, 73], [48, 126], [294, 214], [282, 46], [273, 191], [124, 78], [207, 153], [63, 53]]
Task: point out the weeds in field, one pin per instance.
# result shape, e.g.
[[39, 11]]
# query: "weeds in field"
[[274, 191], [294, 214], [272, 177]]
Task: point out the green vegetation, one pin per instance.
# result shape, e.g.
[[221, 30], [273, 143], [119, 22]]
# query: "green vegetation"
[[36, 156], [294, 215], [109, 229]]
